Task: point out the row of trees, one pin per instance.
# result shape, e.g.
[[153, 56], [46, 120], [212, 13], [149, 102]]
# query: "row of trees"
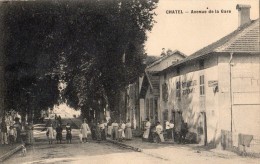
[[95, 48]]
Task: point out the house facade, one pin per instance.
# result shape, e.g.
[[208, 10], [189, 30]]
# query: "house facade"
[[216, 90], [150, 86]]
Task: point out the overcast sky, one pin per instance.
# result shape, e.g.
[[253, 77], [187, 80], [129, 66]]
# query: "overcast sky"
[[190, 32]]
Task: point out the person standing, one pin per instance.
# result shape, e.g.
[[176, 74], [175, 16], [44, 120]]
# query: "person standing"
[[3, 128], [184, 131], [172, 129], [147, 129], [159, 131], [102, 127], [11, 135], [18, 127], [29, 133], [59, 133], [68, 133], [50, 133], [123, 129], [84, 130], [128, 130], [115, 130], [168, 129], [98, 131]]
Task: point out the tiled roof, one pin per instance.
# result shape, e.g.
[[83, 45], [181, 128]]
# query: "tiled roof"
[[244, 39], [165, 57]]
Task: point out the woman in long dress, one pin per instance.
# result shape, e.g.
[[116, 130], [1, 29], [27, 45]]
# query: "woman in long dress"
[[84, 130], [29, 131], [68, 134], [59, 133], [147, 129], [115, 130], [98, 132], [50, 133], [128, 130]]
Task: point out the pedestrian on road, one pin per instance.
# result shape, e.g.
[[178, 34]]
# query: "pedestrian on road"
[[109, 128], [172, 129], [159, 131], [128, 130], [121, 134], [147, 129], [115, 130], [102, 127], [59, 133], [29, 133], [18, 127], [93, 130], [98, 132], [3, 128], [68, 134], [168, 129], [84, 130], [123, 129], [50, 133], [184, 131], [11, 135]]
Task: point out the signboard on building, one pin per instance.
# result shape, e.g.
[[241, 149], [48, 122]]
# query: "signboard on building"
[[212, 83]]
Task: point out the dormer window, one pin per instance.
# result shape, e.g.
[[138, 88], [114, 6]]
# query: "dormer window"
[[201, 64], [178, 70]]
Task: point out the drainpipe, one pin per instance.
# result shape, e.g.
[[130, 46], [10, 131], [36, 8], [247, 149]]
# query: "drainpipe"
[[231, 100]]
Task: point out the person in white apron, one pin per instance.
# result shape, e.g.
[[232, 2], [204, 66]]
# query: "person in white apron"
[[147, 129], [159, 131]]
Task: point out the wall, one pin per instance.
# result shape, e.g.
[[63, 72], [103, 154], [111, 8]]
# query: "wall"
[[190, 103], [245, 95]]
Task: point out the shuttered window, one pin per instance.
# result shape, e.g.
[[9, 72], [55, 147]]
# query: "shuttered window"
[[202, 85]]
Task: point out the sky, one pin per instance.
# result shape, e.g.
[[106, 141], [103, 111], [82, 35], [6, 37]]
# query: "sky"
[[189, 32]]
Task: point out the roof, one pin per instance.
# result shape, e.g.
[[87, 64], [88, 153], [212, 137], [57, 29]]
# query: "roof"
[[165, 57], [152, 80], [150, 59], [244, 39]]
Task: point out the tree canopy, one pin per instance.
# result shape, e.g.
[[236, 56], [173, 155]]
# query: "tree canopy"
[[95, 47]]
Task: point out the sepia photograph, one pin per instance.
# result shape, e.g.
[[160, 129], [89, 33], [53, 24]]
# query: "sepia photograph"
[[129, 81]]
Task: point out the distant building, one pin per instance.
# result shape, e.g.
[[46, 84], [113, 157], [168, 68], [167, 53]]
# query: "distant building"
[[216, 90], [150, 85]]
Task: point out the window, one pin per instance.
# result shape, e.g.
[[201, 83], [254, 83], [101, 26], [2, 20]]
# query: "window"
[[201, 64], [147, 108], [151, 108], [178, 71], [156, 109], [202, 86], [178, 89]]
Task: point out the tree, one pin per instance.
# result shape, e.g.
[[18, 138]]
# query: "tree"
[[95, 47]]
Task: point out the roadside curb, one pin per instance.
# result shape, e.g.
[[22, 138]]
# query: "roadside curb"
[[125, 145], [10, 153]]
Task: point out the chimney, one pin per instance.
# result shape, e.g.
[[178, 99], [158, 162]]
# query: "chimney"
[[243, 14]]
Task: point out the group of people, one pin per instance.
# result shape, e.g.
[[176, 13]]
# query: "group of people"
[[156, 132], [102, 129], [12, 132], [121, 131], [51, 132]]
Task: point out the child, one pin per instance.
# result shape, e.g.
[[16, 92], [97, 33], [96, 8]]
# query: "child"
[[11, 135], [50, 133], [68, 135], [59, 133]]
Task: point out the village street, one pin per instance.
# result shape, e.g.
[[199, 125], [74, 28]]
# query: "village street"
[[106, 152]]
